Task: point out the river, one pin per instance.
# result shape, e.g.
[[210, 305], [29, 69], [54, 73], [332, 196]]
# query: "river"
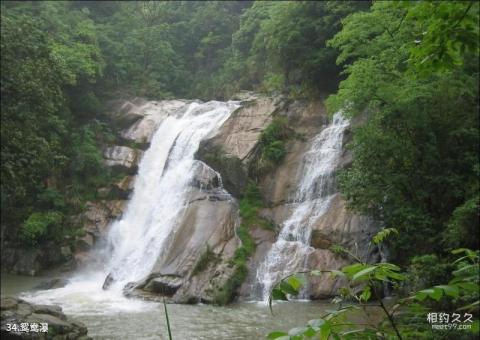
[[146, 320]]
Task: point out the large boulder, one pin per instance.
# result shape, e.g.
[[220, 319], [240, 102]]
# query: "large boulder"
[[229, 151], [124, 113], [165, 285], [240, 133], [24, 314], [150, 114]]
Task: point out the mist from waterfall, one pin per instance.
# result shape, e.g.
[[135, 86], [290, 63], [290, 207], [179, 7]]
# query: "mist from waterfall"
[[316, 187]]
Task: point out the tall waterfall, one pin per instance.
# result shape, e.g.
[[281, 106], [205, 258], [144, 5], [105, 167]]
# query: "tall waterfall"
[[316, 176], [160, 190], [160, 196]]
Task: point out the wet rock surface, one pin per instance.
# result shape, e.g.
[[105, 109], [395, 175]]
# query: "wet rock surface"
[[41, 321]]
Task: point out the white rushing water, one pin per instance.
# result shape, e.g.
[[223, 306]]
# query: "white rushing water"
[[316, 187], [136, 240]]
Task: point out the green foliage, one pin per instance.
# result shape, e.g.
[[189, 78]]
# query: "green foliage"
[[383, 234], [39, 225], [465, 285], [284, 43], [415, 159], [271, 147], [463, 223], [426, 270], [401, 323], [50, 142], [182, 48], [448, 35], [225, 294], [250, 205]]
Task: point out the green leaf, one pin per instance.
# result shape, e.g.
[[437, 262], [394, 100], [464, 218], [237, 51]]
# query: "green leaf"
[[469, 287], [420, 296], [366, 294], [310, 332], [276, 335], [296, 282], [363, 274], [352, 269], [278, 294], [287, 288], [384, 234], [325, 331], [449, 290], [335, 273], [434, 293], [475, 327], [468, 252]]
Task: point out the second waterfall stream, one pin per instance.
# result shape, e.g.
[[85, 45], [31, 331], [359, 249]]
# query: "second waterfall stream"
[[316, 187]]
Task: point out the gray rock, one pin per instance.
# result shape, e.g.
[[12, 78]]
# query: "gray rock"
[[123, 188], [52, 284], [23, 309], [122, 158], [108, 281], [8, 303], [164, 285], [28, 262], [84, 243], [58, 324], [66, 252], [319, 240], [96, 218], [19, 311], [152, 114], [49, 309]]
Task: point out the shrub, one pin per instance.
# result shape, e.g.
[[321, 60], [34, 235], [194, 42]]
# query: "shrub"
[[40, 226], [271, 149], [426, 270]]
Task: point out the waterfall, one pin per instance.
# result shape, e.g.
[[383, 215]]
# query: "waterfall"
[[316, 187], [160, 190], [135, 242]]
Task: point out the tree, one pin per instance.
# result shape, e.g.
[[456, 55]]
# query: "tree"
[[415, 159]]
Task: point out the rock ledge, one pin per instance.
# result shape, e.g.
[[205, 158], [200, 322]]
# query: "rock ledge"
[[31, 317]]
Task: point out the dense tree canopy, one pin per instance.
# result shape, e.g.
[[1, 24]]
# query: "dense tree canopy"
[[413, 73]]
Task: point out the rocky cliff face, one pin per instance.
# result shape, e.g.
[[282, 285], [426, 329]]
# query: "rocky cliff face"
[[238, 139], [197, 261]]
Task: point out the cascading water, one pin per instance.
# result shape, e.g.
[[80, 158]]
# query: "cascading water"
[[136, 240], [160, 190], [311, 200]]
